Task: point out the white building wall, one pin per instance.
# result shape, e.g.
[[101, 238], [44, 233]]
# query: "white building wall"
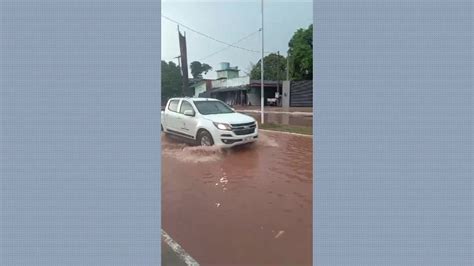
[[231, 82], [199, 89]]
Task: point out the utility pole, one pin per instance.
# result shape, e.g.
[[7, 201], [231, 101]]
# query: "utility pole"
[[287, 66], [262, 96], [179, 63], [278, 78], [181, 72], [184, 62], [179, 56]]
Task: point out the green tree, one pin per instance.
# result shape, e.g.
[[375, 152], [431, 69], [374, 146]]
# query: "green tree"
[[197, 68], [274, 68], [301, 54], [171, 80]]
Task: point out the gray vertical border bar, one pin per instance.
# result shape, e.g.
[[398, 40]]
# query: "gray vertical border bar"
[[393, 141], [80, 132]]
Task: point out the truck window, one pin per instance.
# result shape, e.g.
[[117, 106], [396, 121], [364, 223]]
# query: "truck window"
[[173, 106], [185, 106], [212, 107]]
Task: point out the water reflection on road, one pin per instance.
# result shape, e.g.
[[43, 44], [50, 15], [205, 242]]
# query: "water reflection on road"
[[251, 205], [300, 119]]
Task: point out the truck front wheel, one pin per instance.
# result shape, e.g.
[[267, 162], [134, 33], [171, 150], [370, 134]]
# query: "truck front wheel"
[[204, 138]]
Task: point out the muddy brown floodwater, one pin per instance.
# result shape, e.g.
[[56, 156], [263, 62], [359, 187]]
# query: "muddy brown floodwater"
[[250, 205]]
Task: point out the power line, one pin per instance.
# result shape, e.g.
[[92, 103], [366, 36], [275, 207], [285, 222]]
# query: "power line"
[[228, 46], [214, 39], [208, 36]]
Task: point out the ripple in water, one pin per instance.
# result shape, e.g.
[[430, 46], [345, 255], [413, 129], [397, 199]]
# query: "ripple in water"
[[268, 141], [198, 154], [201, 154]]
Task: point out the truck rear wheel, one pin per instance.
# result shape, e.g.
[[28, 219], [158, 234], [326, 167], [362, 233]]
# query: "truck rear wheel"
[[204, 138]]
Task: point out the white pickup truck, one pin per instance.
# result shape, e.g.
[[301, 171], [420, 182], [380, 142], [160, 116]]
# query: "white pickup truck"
[[207, 122]]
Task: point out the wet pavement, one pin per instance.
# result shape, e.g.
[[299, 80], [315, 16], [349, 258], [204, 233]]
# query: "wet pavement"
[[251, 205], [299, 119]]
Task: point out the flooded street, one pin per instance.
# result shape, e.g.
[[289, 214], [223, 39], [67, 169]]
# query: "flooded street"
[[299, 119], [251, 205]]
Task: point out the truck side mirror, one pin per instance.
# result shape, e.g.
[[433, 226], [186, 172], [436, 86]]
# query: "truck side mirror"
[[189, 113]]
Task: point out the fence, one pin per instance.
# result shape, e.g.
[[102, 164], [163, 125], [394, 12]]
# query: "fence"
[[301, 93]]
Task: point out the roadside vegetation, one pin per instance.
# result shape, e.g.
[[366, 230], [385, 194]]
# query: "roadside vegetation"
[[287, 128], [300, 59]]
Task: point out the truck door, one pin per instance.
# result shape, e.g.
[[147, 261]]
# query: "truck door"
[[172, 115], [188, 123]]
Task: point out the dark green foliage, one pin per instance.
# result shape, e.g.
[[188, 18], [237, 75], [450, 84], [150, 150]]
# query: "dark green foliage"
[[198, 68], [274, 68], [171, 80], [301, 54]]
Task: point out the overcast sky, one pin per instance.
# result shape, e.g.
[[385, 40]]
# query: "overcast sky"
[[230, 21]]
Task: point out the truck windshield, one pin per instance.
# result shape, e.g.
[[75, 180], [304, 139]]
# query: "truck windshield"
[[212, 107]]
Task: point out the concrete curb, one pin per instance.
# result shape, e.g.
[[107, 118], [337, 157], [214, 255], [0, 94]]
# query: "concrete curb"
[[288, 133], [277, 112]]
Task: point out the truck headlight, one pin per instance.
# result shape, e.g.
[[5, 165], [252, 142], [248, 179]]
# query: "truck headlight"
[[222, 126]]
